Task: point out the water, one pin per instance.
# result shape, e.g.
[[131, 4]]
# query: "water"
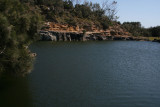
[[88, 74]]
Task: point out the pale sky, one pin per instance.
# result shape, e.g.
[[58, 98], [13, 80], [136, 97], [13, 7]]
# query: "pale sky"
[[145, 11]]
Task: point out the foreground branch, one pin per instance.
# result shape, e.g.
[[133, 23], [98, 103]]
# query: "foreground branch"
[[3, 50]]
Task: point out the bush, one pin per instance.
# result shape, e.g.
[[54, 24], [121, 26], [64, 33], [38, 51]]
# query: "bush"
[[18, 27]]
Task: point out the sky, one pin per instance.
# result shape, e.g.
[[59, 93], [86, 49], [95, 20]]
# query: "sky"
[[145, 11]]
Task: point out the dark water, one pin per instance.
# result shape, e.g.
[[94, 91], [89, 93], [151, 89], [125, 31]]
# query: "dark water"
[[88, 74]]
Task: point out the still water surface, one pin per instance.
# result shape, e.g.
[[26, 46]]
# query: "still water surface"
[[88, 74]]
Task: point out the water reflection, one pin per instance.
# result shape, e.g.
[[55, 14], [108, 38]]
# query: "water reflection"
[[15, 92]]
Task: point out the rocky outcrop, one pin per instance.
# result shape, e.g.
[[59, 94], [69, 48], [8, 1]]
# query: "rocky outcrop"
[[58, 32], [47, 36], [60, 36], [90, 36]]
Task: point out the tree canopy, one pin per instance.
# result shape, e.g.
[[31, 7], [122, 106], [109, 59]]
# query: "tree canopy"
[[73, 13], [136, 29], [19, 23]]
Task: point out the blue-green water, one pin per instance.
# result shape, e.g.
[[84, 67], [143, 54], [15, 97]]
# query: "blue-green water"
[[88, 74]]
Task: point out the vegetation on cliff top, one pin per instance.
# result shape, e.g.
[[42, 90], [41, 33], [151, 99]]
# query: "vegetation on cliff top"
[[136, 29], [89, 14], [76, 14]]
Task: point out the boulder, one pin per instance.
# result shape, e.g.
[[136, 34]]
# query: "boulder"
[[47, 36]]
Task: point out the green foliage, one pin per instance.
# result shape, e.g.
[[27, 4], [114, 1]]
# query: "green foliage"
[[18, 27], [4, 30], [136, 29], [133, 27], [155, 31], [65, 12]]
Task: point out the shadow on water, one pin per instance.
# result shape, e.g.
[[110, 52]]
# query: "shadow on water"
[[14, 92]]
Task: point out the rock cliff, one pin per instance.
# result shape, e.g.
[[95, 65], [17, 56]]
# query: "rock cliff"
[[58, 32]]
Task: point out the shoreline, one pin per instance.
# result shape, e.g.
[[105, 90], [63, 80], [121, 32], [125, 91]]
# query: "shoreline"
[[87, 36]]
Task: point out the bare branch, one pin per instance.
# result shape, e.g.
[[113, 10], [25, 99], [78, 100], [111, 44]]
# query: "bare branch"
[[3, 50], [110, 9]]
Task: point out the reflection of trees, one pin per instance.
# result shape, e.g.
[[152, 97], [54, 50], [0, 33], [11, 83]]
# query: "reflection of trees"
[[14, 92]]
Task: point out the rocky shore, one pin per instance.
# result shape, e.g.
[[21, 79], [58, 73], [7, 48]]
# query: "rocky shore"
[[156, 40], [88, 36]]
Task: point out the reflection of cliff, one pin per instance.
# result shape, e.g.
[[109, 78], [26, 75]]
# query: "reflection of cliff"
[[14, 92], [58, 32]]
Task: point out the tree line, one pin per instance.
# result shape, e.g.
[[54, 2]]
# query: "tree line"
[[74, 13], [136, 29]]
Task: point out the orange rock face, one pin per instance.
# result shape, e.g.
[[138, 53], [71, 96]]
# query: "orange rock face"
[[115, 30]]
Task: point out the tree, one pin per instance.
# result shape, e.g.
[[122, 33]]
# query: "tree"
[[110, 9], [18, 27], [136, 29], [155, 31], [68, 4]]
